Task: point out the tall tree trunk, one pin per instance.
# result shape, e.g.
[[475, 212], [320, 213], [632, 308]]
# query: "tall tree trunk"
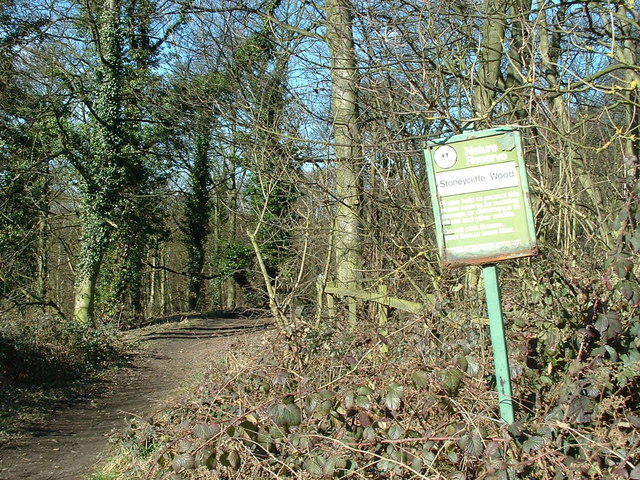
[[348, 151], [151, 303], [103, 172], [490, 52], [627, 54], [94, 242], [519, 57], [42, 264], [230, 283], [198, 212], [163, 256], [137, 222], [489, 77]]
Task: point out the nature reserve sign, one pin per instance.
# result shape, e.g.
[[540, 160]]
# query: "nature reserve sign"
[[480, 197]]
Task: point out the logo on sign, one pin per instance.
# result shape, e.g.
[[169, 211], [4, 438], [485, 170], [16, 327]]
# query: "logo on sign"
[[445, 156]]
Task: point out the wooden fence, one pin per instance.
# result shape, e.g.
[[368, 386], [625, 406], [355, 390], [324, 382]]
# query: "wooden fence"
[[380, 297]]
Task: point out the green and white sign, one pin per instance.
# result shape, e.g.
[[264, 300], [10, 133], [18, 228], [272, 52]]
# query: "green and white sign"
[[480, 197]]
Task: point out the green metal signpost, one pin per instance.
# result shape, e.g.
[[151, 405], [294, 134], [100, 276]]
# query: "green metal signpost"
[[499, 343], [480, 197]]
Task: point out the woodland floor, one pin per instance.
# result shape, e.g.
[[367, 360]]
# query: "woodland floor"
[[73, 437]]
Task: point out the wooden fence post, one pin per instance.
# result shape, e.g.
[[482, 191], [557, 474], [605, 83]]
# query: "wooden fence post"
[[331, 306], [383, 310], [319, 296], [353, 309]]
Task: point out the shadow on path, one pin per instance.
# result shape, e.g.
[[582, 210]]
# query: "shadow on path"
[[69, 444]]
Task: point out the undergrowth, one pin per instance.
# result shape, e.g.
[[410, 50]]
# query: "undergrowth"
[[416, 402], [42, 349], [44, 360]]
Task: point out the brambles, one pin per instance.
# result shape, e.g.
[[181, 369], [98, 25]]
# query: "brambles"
[[423, 407], [335, 419]]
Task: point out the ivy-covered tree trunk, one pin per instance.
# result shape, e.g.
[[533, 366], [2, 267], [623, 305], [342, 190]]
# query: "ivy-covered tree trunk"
[[197, 214], [232, 196], [94, 242], [139, 218], [103, 172], [26, 146], [272, 193], [192, 120], [262, 65], [348, 151]]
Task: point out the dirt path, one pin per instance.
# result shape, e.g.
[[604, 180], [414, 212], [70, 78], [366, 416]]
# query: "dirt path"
[[70, 445]]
